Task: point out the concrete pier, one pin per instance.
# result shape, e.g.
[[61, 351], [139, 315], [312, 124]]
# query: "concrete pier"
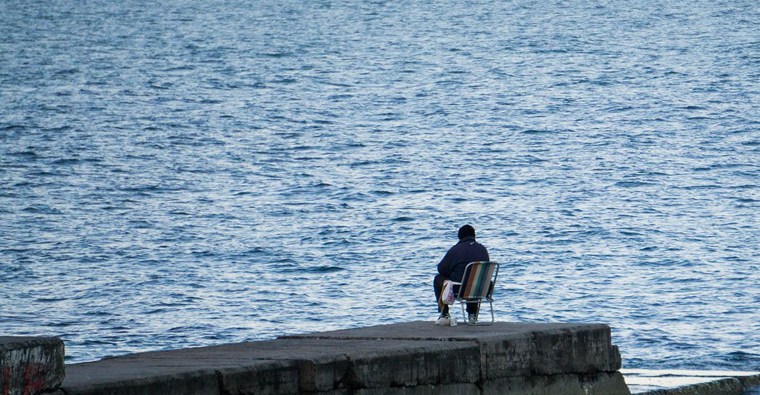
[[408, 358]]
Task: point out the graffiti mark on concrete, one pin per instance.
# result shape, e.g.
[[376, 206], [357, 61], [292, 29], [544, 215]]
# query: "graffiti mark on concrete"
[[5, 378], [34, 379]]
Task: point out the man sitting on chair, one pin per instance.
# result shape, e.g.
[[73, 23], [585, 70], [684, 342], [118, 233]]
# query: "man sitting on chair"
[[452, 268]]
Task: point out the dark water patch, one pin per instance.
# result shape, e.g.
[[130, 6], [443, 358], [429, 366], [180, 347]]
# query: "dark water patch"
[[50, 300], [142, 188], [537, 132], [43, 173], [42, 209], [98, 313], [692, 108], [58, 129], [340, 97], [699, 187], [324, 269], [141, 224], [179, 212], [276, 55], [62, 324], [180, 68], [633, 184], [14, 251], [24, 154], [284, 81], [65, 162], [12, 128], [91, 343]]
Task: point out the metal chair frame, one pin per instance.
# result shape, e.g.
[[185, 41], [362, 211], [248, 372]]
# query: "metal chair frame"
[[487, 298]]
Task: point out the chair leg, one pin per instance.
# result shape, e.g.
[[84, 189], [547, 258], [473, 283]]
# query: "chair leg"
[[464, 313], [492, 316]]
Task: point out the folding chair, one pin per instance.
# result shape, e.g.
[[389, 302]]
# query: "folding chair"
[[479, 281]]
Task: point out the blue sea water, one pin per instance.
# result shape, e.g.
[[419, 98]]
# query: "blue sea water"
[[185, 172]]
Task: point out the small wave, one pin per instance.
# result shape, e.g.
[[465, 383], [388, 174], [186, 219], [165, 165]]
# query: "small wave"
[[144, 188], [633, 184], [178, 212], [42, 209], [141, 224], [698, 187], [323, 269], [536, 131], [49, 300], [68, 161], [98, 343], [179, 68], [284, 81], [742, 356], [43, 173], [25, 154], [58, 129], [98, 313], [276, 55], [630, 233], [63, 324], [340, 97]]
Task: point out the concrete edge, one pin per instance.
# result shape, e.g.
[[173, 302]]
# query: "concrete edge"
[[204, 380], [750, 381], [726, 386], [22, 342]]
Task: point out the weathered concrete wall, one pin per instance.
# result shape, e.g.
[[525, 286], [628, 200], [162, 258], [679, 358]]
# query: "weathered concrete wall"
[[509, 349], [30, 365], [415, 358]]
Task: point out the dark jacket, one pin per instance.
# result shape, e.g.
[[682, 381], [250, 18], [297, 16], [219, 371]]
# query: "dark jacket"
[[456, 259]]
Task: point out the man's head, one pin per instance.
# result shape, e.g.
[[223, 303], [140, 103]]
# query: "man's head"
[[465, 231]]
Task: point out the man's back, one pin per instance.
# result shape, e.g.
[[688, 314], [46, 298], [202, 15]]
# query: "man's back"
[[456, 259]]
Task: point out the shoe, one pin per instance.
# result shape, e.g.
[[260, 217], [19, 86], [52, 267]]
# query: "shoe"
[[452, 321], [472, 319], [443, 320]]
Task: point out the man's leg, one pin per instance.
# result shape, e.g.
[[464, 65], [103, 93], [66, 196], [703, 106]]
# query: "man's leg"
[[438, 288], [472, 308]]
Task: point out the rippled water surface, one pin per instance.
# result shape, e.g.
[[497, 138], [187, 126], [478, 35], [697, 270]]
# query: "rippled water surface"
[[184, 172]]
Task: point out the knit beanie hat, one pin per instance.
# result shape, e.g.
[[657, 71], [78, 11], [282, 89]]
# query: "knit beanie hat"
[[465, 231]]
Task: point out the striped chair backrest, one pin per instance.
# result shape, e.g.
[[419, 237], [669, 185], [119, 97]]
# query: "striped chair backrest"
[[477, 280]]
